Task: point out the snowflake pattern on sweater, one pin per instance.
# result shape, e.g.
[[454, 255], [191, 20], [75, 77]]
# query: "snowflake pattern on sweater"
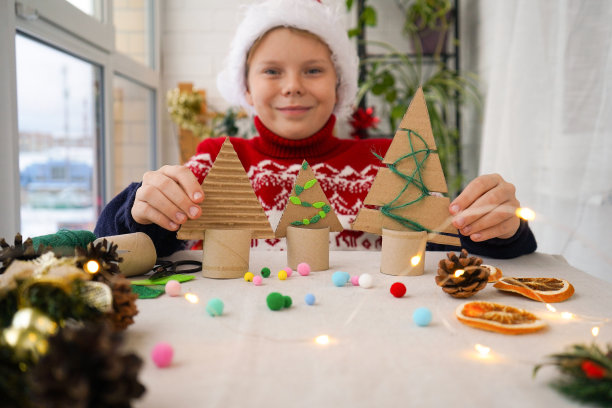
[[273, 182]]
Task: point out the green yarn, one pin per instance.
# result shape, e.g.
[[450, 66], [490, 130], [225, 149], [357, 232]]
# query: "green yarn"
[[416, 179], [65, 239]]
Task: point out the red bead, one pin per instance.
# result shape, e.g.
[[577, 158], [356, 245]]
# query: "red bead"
[[398, 289], [592, 370]]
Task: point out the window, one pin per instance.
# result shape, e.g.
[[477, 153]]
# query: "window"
[[80, 108]]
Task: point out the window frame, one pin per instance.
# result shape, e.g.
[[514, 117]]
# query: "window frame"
[[65, 27]]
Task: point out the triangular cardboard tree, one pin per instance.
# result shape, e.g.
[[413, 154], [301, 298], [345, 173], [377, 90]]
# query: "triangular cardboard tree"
[[229, 200], [308, 206], [401, 191]]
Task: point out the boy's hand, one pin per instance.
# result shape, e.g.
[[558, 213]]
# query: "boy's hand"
[[168, 197], [486, 209]]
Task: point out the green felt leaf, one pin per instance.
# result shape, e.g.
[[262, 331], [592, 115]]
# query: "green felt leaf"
[[162, 281], [146, 292], [310, 183], [295, 200], [318, 204], [298, 189]]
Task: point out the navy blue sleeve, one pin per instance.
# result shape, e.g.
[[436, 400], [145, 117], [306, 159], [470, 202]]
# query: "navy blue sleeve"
[[116, 219], [523, 242]]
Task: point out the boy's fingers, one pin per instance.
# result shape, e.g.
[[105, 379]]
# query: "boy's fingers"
[[474, 190], [142, 210], [505, 229], [185, 178], [497, 216], [155, 199]]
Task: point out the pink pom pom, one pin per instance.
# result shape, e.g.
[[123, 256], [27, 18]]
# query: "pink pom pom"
[[355, 280], [173, 288], [257, 280], [289, 271], [162, 354], [303, 269]]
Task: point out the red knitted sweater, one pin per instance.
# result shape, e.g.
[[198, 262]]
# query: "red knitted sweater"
[[344, 168]]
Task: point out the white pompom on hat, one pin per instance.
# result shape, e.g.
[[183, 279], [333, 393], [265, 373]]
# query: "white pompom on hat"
[[308, 15]]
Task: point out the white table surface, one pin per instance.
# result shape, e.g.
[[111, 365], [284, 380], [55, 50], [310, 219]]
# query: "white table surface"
[[378, 357]]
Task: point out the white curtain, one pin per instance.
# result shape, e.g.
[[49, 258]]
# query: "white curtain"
[[547, 69]]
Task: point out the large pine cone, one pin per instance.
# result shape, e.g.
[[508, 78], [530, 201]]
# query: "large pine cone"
[[466, 284], [105, 253], [24, 251], [84, 368], [124, 303]]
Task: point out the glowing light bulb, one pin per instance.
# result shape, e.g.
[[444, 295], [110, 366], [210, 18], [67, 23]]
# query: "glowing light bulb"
[[525, 213], [415, 260], [92, 267], [459, 272], [322, 340], [595, 331], [567, 315], [482, 350], [551, 307], [191, 298]]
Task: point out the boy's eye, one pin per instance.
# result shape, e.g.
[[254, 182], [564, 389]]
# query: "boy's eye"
[[314, 71], [271, 71]]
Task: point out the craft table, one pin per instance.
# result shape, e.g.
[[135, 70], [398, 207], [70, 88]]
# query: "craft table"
[[377, 356]]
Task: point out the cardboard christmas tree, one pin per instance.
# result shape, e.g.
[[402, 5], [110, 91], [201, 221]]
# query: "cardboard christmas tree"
[[231, 216], [307, 221], [406, 204]]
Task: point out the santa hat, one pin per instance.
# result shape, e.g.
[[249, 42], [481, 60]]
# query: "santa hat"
[[308, 15]]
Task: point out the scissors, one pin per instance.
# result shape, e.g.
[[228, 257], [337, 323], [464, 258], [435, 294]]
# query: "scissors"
[[168, 268]]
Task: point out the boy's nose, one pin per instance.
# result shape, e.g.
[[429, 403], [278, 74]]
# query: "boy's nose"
[[293, 85]]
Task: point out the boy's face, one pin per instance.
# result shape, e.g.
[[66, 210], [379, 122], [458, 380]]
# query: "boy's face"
[[292, 83]]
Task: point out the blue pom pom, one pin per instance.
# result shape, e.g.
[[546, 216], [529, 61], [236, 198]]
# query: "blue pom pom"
[[340, 278], [309, 299], [422, 316]]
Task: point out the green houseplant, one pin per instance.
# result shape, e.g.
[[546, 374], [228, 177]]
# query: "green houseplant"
[[390, 79], [427, 23]]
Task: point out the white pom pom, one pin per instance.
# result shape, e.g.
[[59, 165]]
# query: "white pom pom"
[[365, 280]]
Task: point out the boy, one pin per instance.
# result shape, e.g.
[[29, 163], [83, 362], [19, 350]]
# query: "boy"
[[292, 64]]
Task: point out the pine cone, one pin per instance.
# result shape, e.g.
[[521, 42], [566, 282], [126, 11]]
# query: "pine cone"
[[105, 253], [124, 303], [84, 368], [21, 250], [461, 285]]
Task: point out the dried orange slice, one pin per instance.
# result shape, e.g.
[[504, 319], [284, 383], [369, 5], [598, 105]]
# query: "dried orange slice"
[[549, 290], [498, 318], [494, 272]]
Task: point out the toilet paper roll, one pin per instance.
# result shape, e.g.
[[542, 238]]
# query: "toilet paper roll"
[[137, 251]]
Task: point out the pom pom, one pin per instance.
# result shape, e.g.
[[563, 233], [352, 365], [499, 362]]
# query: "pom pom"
[[248, 277], [289, 271], [422, 316], [173, 288], [257, 280], [340, 278], [265, 272], [282, 274], [355, 280], [275, 301], [287, 301], [365, 280], [214, 307], [162, 354], [303, 269], [309, 299], [398, 289]]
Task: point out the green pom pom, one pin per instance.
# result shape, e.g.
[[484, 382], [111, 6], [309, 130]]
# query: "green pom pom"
[[265, 272], [288, 301], [275, 301], [214, 307], [295, 200]]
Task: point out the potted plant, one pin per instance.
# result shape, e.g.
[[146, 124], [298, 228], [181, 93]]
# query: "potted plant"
[[427, 23]]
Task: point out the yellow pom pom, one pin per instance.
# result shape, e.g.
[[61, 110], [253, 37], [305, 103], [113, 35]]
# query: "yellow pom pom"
[[248, 277], [282, 274]]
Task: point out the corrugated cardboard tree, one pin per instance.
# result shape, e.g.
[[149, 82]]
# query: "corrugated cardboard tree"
[[401, 195]]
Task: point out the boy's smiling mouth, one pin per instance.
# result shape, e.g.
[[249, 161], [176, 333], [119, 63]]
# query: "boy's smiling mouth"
[[293, 109]]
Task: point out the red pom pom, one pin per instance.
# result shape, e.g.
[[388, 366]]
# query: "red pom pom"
[[398, 289]]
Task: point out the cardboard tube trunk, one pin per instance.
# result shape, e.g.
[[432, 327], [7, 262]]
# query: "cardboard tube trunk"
[[225, 253], [136, 250], [398, 251], [310, 245]]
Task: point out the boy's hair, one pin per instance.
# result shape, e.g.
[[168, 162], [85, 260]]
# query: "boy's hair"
[[306, 15]]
